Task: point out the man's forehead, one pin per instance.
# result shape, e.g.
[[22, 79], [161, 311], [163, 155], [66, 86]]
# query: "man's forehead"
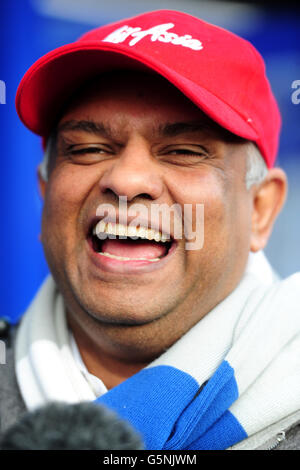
[[129, 86]]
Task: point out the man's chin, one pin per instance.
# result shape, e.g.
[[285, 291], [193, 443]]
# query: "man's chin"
[[124, 303], [123, 313], [115, 319]]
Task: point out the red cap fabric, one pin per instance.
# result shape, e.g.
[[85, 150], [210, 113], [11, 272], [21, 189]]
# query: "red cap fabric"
[[220, 72]]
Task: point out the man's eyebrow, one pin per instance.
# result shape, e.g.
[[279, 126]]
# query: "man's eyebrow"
[[205, 126], [172, 129], [176, 128], [88, 126]]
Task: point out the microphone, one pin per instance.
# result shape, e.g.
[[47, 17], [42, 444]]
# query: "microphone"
[[60, 426]]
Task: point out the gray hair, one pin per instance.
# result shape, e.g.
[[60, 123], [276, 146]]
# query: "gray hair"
[[257, 169], [44, 165], [255, 174]]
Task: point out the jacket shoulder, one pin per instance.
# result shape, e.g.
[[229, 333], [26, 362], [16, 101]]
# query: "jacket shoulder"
[[11, 402], [292, 439]]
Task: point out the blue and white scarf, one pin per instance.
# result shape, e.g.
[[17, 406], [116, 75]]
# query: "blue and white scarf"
[[232, 375]]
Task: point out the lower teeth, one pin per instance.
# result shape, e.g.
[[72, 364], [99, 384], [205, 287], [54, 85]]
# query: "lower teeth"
[[108, 255]]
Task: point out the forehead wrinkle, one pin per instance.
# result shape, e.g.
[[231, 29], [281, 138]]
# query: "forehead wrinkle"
[[121, 128], [174, 129], [204, 126], [90, 126], [103, 129]]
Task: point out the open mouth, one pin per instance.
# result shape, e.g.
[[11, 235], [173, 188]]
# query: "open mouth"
[[127, 243]]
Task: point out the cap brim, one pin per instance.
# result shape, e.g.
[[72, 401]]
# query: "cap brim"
[[54, 78]]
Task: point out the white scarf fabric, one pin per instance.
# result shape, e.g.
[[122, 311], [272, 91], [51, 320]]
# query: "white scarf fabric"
[[256, 329]]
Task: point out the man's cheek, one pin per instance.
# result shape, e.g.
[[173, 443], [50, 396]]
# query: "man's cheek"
[[70, 183], [62, 202]]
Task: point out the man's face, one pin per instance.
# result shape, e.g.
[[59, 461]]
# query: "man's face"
[[136, 136]]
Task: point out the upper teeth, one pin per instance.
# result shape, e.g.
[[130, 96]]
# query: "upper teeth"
[[128, 231]]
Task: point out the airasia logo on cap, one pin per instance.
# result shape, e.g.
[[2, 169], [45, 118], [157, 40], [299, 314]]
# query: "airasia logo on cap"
[[156, 33]]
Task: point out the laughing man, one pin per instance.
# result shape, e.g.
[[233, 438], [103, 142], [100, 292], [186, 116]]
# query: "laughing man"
[[177, 322]]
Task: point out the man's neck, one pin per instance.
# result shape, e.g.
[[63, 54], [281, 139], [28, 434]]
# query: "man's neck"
[[109, 370]]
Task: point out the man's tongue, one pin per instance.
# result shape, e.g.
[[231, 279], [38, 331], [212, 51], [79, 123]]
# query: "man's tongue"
[[134, 248]]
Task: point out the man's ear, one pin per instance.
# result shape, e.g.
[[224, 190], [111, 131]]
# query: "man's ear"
[[268, 199], [41, 182]]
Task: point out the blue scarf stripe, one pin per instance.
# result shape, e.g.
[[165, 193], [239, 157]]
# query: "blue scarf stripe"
[[151, 401], [207, 408], [226, 432], [164, 404]]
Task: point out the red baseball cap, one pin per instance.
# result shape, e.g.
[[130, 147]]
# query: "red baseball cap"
[[220, 72]]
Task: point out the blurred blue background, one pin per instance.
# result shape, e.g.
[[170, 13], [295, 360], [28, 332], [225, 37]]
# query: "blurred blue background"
[[30, 28]]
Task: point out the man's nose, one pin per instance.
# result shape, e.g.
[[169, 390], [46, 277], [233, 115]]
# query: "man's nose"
[[135, 172]]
